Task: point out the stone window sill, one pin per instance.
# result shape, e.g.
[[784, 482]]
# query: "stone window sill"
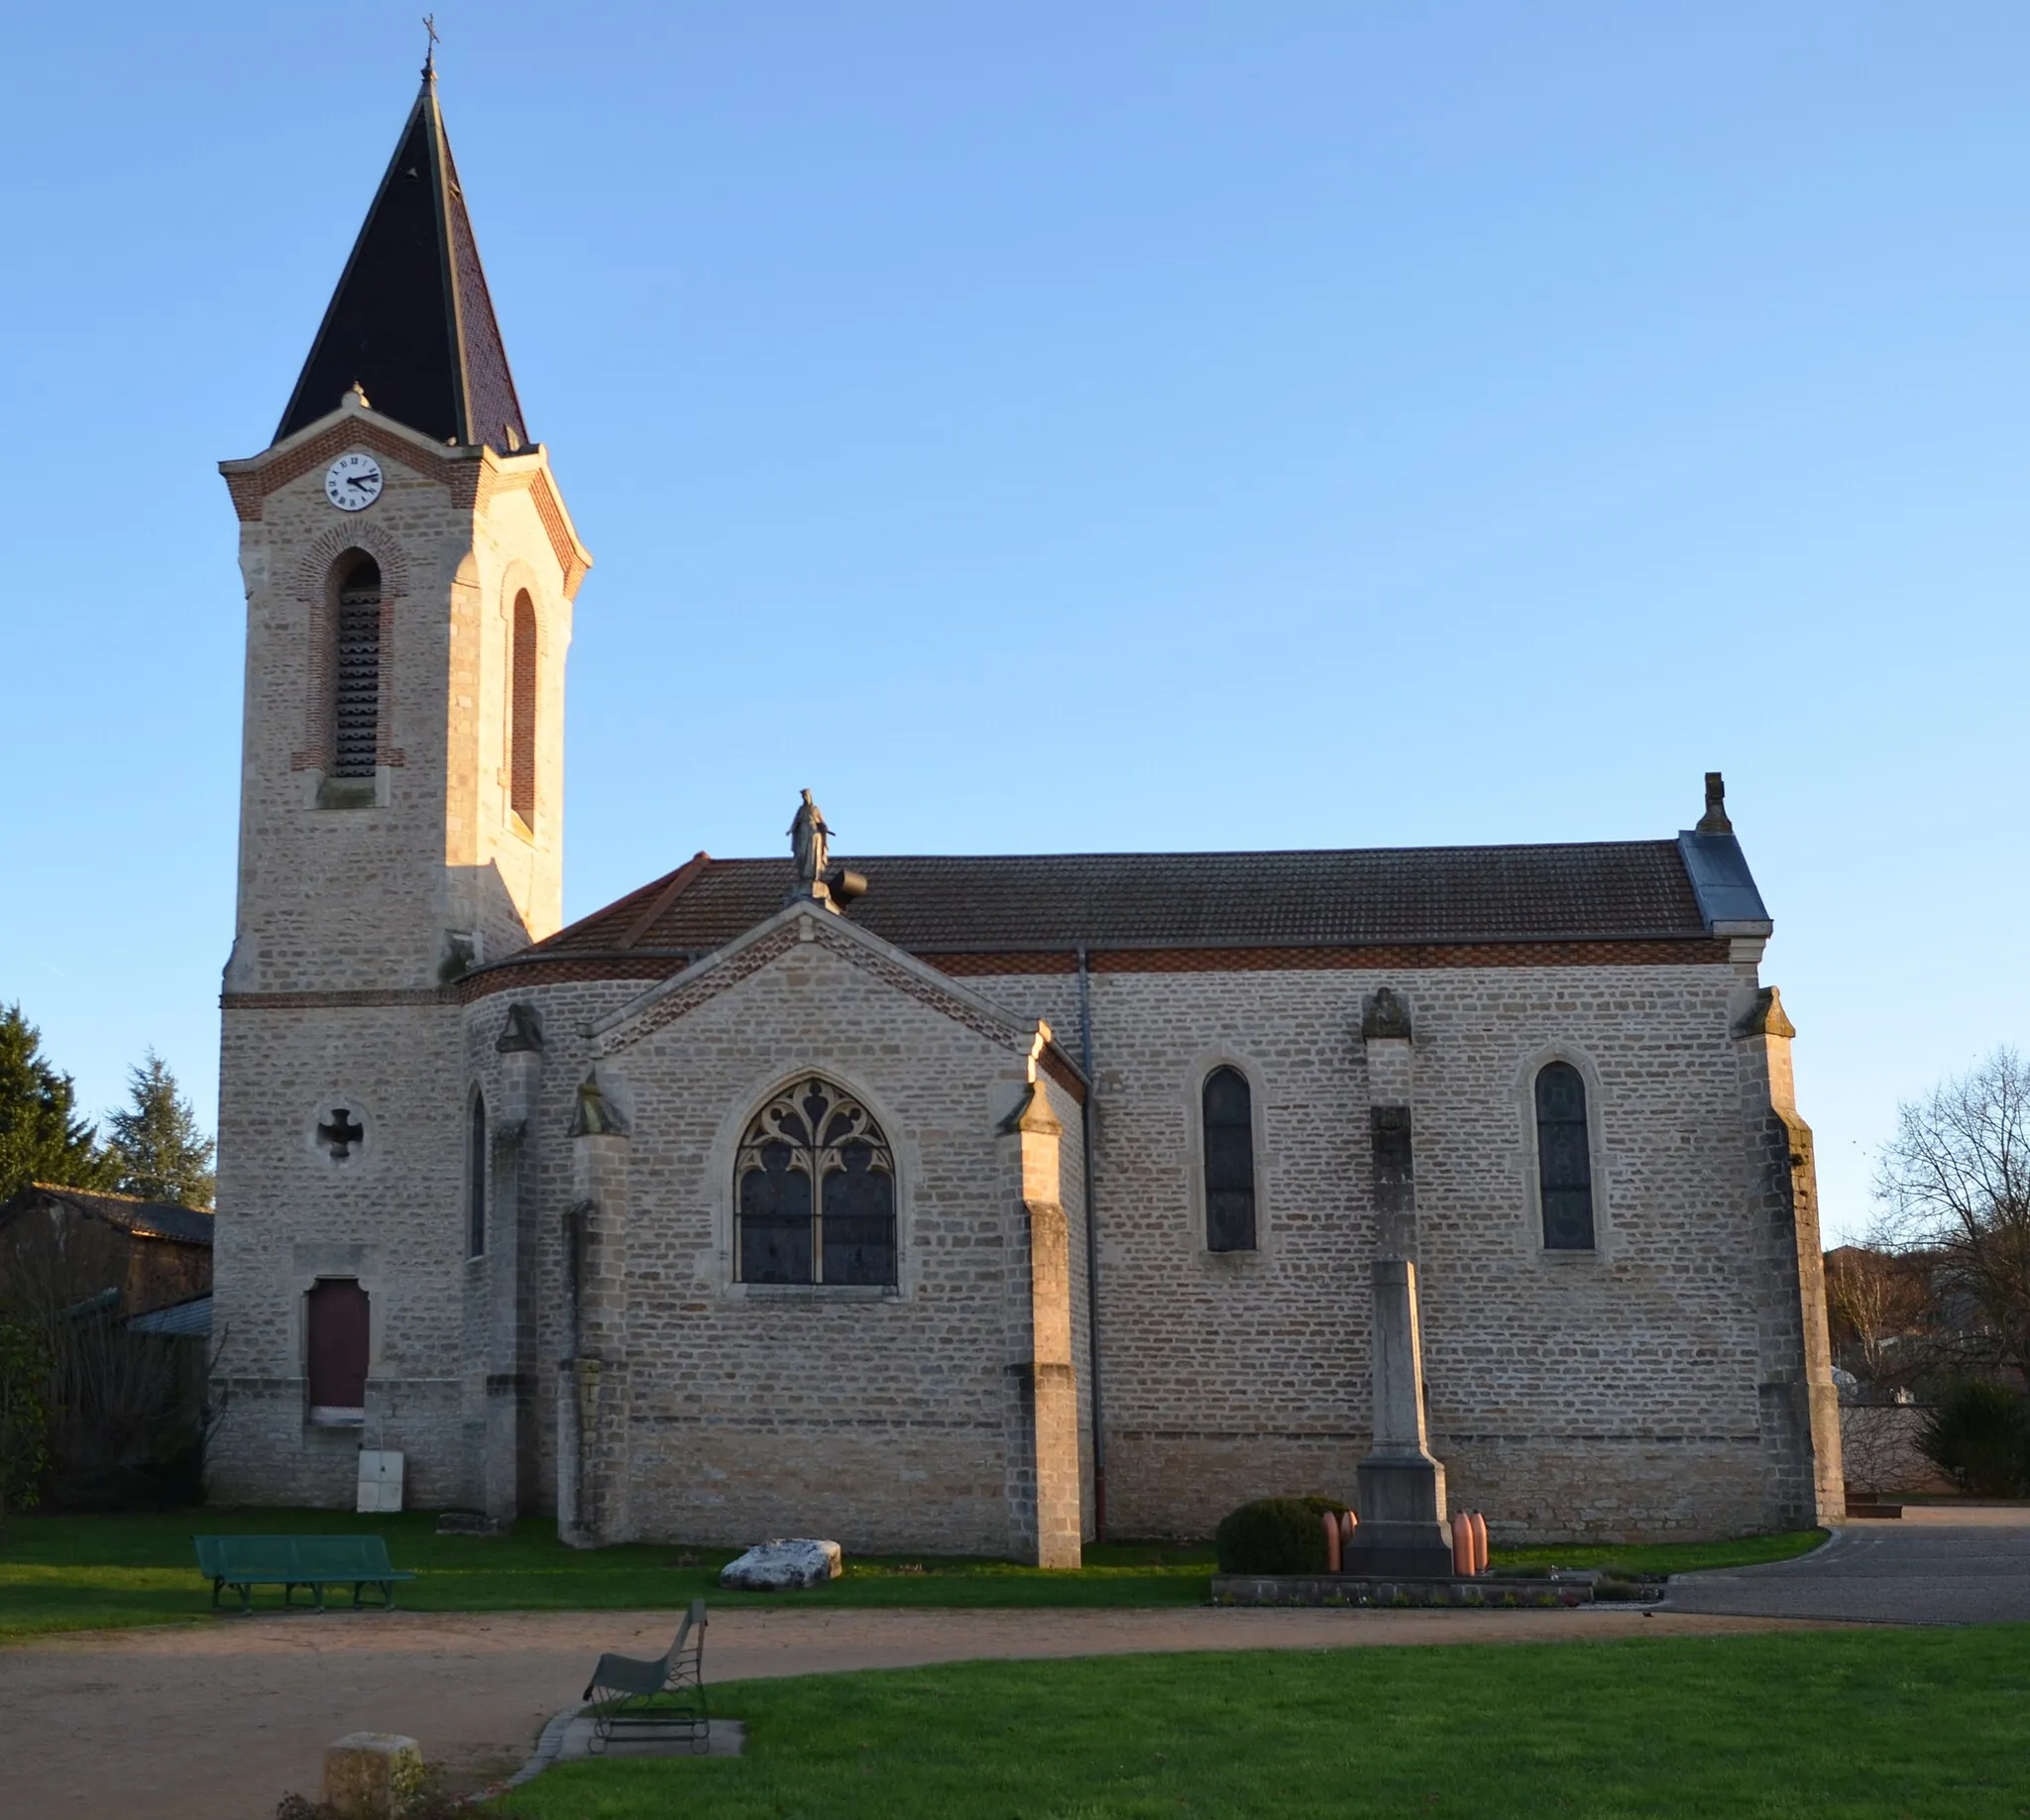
[[329, 1415], [347, 793], [813, 1291]]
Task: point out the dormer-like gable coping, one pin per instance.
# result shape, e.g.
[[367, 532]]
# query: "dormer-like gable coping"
[[475, 474], [804, 921]]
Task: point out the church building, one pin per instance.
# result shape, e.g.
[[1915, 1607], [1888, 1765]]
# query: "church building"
[[969, 1205]]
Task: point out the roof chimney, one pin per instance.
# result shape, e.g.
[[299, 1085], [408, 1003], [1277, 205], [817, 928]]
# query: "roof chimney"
[[1715, 821]]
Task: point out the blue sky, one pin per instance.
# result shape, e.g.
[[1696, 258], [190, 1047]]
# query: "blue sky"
[[1095, 426]]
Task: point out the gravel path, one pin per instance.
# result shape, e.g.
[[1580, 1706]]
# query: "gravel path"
[[215, 1721]]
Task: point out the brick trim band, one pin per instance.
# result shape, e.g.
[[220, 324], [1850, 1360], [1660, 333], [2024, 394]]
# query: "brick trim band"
[[515, 974], [1692, 952], [335, 1001]]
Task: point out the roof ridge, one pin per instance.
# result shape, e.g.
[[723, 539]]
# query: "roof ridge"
[[680, 882], [1232, 853], [138, 1201]]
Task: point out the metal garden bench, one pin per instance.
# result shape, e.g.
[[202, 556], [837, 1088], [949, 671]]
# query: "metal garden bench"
[[290, 1561], [660, 1701]]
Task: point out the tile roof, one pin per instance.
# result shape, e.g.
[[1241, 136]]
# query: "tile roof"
[[184, 1320], [1056, 902], [162, 1219]]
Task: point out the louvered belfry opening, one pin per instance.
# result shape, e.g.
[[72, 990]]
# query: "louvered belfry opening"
[[355, 702]]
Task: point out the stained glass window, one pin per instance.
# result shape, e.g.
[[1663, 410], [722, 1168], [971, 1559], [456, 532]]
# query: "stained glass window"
[[1564, 1161], [1229, 1161], [816, 1202]]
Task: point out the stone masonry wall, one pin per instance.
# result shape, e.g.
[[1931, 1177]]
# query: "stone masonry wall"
[[1611, 1394], [880, 1417], [364, 898], [349, 920], [390, 1215]]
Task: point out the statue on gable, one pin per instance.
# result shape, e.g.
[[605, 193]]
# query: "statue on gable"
[[809, 840]]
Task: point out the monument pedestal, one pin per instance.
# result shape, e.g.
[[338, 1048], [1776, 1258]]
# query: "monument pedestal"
[[1402, 1487], [1402, 1519]]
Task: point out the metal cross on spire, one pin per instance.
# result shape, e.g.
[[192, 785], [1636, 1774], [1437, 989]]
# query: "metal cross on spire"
[[431, 49]]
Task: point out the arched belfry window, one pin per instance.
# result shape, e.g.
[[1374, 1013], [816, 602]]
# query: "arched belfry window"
[[521, 713], [1565, 1158], [1229, 1119], [815, 1192], [356, 689], [476, 1179]]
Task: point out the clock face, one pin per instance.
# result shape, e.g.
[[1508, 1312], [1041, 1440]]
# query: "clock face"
[[352, 482]]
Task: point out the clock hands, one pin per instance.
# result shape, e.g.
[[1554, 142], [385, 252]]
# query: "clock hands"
[[353, 482]]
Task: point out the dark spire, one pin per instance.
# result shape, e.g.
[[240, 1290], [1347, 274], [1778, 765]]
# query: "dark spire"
[[411, 323]]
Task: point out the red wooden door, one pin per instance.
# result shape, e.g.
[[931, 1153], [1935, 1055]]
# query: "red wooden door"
[[337, 1314]]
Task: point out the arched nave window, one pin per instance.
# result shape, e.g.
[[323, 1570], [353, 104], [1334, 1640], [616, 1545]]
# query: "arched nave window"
[[815, 1192], [1228, 1104], [476, 1179], [521, 713], [1564, 1160]]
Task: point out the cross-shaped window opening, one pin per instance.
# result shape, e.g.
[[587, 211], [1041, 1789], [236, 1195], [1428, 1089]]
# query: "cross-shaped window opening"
[[342, 1133]]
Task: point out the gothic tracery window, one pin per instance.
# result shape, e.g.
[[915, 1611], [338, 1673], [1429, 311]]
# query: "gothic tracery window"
[[814, 1188], [1228, 1104], [1564, 1160], [355, 685]]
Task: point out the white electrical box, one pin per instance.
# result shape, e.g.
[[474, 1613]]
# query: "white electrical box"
[[380, 1480]]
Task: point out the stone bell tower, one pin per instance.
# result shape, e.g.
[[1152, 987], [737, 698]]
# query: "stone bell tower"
[[410, 568]]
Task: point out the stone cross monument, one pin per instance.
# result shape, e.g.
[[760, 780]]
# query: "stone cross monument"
[[1402, 1492]]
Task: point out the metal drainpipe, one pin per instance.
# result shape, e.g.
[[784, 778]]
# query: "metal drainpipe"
[[1092, 1252], [572, 1402]]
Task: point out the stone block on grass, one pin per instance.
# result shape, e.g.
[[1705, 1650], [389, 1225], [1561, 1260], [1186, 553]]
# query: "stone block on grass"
[[783, 1565]]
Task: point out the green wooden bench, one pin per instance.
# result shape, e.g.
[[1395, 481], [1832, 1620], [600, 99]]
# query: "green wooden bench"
[[290, 1561]]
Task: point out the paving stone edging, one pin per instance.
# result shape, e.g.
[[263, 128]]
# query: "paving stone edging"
[[548, 1745], [724, 1738], [1481, 1591]]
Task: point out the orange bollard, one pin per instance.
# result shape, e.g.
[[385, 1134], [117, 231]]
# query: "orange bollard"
[[1348, 1524], [1462, 1543], [1479, 1542], [1331, 1540]]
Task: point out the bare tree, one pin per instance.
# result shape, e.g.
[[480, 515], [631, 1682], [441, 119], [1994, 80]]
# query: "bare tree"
[[1954, 1183], [1882, 1316], [125, 1411]]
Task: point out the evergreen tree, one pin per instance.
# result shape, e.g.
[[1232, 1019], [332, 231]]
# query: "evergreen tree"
[[41, 1138], [155, 1144]]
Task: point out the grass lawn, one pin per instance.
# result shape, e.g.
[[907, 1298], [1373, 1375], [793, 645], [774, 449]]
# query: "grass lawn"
[[1863, 1725], [68, 1573]]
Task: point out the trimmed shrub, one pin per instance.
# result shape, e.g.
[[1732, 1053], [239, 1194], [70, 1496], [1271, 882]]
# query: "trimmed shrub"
[[1979, 1436], [1275, 1535]]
